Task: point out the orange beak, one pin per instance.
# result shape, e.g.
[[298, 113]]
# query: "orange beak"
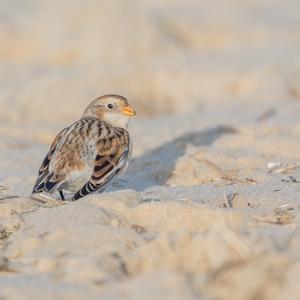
[[128, 111]]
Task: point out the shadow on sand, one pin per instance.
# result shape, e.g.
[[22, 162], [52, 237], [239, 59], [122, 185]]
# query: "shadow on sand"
[[155, 166]]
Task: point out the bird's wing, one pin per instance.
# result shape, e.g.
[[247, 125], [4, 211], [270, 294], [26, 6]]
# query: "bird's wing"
[[112, 154], [43, 173]]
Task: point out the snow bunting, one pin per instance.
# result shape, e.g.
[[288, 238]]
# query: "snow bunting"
[[88, 154]]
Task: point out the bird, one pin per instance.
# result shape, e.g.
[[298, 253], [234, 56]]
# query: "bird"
[[87, 155]]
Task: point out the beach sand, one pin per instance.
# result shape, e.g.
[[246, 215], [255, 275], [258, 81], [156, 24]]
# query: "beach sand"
[[209, 208]]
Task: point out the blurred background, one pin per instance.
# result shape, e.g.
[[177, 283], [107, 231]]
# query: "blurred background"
[[209, 207], [167, 57]]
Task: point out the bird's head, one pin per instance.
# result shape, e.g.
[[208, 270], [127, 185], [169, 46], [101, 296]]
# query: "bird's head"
[[113, 109]]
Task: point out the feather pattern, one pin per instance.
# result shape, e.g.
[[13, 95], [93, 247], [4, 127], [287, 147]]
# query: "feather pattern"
[[43, 172], [84, 158]]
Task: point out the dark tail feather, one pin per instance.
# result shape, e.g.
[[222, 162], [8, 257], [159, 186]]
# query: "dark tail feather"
[[38, 186], [90, 188], [49, 186], [45, 184]]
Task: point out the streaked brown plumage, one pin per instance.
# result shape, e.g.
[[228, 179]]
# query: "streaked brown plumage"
[[87, 155]]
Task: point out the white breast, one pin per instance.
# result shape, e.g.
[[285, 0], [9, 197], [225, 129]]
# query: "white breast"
[[77, 179]]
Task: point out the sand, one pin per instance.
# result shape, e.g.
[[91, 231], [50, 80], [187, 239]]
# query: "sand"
[[209, 208]]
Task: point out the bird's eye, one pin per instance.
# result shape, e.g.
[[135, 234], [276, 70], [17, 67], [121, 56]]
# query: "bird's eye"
[[110, 106]]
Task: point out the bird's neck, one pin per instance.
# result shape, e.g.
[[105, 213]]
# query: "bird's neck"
[[121, 121]]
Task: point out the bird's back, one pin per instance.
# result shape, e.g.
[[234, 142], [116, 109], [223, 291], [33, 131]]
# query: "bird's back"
[[71, 159]]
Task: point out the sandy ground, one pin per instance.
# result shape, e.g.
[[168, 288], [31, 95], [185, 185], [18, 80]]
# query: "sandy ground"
[[209, 208]]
